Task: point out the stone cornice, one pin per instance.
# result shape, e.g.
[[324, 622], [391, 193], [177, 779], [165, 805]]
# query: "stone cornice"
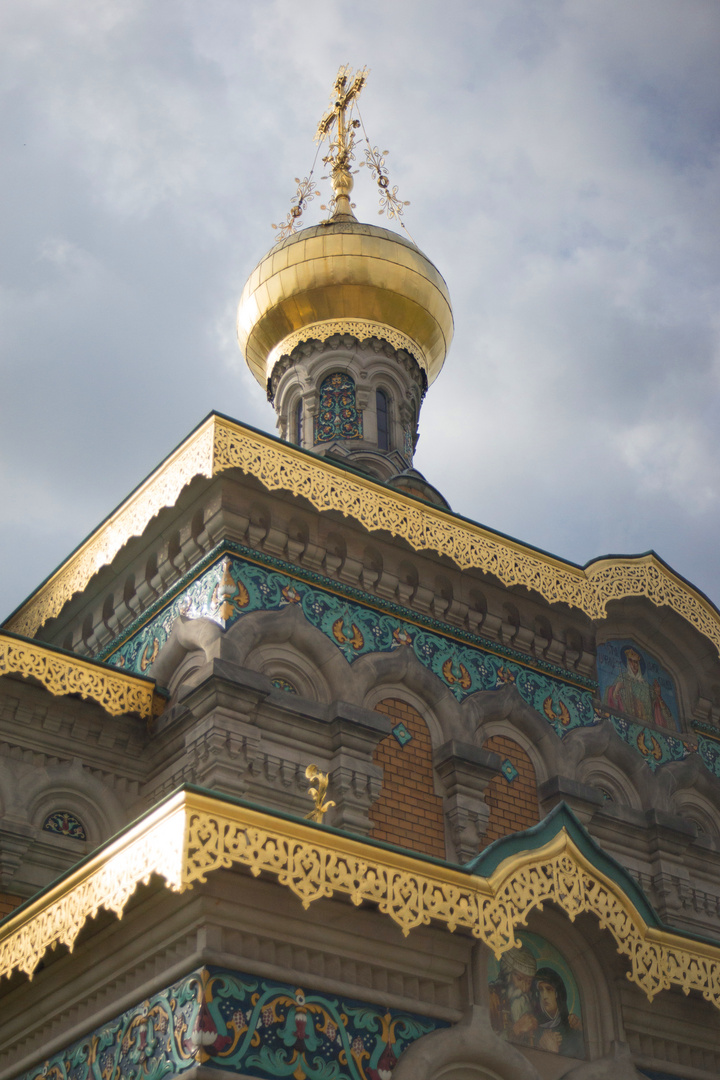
[[220, 443], [194, 832]]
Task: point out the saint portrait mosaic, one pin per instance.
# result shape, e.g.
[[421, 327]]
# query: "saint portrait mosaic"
[[632, 682], [534, 999]]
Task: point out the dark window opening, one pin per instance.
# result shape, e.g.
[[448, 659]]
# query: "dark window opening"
[[383, 424], [299, 422]]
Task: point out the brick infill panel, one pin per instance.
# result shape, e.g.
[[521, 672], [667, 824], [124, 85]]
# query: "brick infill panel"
[[407, 811]]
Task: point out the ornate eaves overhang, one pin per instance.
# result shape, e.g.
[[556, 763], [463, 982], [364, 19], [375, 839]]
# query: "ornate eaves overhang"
[[220, 443], [62, 672], [194, 832]]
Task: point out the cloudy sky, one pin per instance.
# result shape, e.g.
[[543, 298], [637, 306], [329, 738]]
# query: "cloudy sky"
[[562, 159]]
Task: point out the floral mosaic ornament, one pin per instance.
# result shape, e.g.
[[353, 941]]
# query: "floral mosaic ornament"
[[283, 684], [657, 747], [338, 416], [66, 824], [244, 1025], [232, 587]]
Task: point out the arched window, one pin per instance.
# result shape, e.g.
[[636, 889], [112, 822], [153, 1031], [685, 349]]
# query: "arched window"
[[299, 422], [338, 416], [383, 421]]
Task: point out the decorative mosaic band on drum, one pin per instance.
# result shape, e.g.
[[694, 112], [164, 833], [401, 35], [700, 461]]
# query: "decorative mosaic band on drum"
[[231, 586], [243, 1025]]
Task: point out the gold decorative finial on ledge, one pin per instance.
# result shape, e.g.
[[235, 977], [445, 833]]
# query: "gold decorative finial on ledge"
[[318, 793]]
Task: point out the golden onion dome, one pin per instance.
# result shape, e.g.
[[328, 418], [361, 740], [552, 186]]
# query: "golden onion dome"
[[344, 277]]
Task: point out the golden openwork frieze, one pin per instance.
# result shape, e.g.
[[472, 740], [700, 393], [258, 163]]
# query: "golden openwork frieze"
[[362, 329], [154, 846], [61, 673], [221, 444], [194, 834]]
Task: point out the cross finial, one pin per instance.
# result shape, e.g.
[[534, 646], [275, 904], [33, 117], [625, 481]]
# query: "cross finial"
[[346, 89]]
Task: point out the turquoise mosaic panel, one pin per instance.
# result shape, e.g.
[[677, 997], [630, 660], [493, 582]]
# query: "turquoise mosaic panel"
[[508, 770], [709, 751], [243, 1025], [233, 587], [656, 747], [402, 734]]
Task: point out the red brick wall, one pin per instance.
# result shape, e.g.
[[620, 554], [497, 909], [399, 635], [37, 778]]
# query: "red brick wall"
[[407, 811], [513, 806], [8, 903]]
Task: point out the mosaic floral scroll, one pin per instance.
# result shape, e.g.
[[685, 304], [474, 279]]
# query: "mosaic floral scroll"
[[231, 587], [244, 1025]]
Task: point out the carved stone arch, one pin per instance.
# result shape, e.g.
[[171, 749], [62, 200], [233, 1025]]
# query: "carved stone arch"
[[268, 641], [185, 672], [70, 787], [699, 810], [375, 462], [400, 674], [697, 789], [601, 748], [191, 643], [404, 400], [469, 1050], [611, 780], [503, 712], [282, 662]]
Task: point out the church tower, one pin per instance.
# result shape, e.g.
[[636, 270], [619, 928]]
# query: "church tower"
[[381, 793], [345, 324]]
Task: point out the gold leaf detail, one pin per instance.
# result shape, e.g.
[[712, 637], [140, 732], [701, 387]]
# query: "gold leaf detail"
[[63, 674]]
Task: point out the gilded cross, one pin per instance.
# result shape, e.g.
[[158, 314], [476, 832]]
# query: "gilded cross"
[[346, 89]]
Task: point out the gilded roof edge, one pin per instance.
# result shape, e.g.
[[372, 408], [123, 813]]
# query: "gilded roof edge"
[[62, 672], [194, 832], [220, 443]]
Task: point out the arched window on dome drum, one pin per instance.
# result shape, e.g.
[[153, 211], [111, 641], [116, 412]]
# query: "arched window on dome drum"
[[299, 422], [382, 411], [338, 416]]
